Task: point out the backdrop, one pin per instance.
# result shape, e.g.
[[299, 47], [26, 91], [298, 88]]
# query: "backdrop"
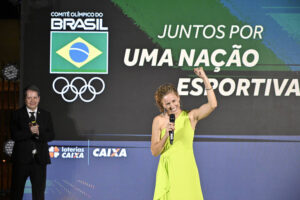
[[98, 64]]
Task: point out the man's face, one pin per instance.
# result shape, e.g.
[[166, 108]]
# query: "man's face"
[[32, 99]]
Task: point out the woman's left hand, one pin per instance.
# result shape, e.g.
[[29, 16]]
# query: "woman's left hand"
[[200, 72]]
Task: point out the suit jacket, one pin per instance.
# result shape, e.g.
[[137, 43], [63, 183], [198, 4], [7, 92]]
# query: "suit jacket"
[[21, 134]]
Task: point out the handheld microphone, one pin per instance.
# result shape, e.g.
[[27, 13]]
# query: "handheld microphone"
[[171, 133], [32, 121]]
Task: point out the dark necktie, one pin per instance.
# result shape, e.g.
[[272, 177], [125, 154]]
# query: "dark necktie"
[[32, 117]]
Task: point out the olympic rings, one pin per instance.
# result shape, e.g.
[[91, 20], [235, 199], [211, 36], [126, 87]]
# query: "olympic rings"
[[78, 92]]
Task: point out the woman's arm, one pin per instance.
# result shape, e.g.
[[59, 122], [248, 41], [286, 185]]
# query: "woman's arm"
[[205, 109], [157, 144]]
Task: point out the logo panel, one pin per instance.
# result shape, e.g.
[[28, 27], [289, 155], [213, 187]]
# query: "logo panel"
[[79, 52], [65, 152], [54, 151]]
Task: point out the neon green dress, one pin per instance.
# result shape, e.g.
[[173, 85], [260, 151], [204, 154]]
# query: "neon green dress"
[[177, 176]]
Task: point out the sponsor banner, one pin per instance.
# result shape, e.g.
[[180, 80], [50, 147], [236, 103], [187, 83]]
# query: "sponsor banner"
[[82, 180], [86, 152]]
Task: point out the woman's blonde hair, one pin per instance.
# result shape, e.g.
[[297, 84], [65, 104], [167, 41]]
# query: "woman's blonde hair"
[[161, 92]]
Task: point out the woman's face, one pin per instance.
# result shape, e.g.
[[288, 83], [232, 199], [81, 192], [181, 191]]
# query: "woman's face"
[[171, 103]]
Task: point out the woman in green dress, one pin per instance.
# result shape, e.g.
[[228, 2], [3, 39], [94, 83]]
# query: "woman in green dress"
[[177, 175]]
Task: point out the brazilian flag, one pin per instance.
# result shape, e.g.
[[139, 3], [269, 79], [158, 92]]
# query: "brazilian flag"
[[79, 52]]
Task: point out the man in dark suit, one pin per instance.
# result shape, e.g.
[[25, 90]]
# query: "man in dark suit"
[[31, 129]]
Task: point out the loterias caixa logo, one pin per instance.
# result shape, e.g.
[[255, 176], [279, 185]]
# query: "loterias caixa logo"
[[66, 152], [78, 45]]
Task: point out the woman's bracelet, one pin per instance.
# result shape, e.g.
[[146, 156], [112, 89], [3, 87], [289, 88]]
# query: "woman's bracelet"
[[209, 88]]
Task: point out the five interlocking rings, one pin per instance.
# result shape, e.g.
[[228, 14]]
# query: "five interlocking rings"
[[80, 91]]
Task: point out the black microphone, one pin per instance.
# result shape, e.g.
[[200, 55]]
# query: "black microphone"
[[33, 123], [34, 137], [171, 133]]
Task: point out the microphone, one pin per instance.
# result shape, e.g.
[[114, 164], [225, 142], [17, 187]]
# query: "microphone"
[[35, 137], [33, 123], [171, 133]]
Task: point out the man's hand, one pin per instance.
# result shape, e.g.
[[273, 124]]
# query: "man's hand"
[[34, 129]]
